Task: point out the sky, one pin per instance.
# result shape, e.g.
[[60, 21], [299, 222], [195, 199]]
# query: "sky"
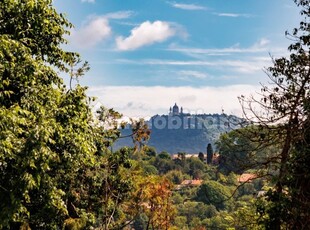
[[146, 55]]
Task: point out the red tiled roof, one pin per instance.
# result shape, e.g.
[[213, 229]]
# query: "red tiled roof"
[[246, 177]]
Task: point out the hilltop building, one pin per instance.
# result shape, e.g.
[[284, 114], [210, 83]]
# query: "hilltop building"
[[174, 111]]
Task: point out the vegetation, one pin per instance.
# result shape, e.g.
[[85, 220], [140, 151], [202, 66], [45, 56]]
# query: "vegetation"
[[286, 103], [57, 170]]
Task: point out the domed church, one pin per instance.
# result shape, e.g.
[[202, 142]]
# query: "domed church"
[[174, 111]]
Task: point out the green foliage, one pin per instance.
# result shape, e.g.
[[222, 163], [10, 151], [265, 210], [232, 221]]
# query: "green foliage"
[[75, 224], [55, 167], [45, 136], [214, 193], [180, 222], [163, 165], [235, 151], [149, 151], [150, 169], [241, 149], [140, 222], [38, 28], [232, 179], [195, 167], [176, 176], [191, 210], [246, 189], [221, 221], [164, 155]]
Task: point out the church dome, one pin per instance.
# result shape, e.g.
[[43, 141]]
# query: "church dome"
[[175, 109]]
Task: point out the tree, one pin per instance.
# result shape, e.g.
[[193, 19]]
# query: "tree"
[[149, 151], [285, 121], [52, 149], [193, 209], [180, 221], [45, 136], [140, 222], [140, 133], [201, 156], [194, 167], [156, 202], [241, 149], [176, 176], [163, 165], [214, 193], [56, 169], [209, 154], [164, 155]]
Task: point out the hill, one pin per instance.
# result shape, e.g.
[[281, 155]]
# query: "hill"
[[185, 132]]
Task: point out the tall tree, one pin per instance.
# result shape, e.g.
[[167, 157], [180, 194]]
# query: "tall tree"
[[201, 156], [209, 154], [56, 170], [46, 136], [286, 103], [240, 149]]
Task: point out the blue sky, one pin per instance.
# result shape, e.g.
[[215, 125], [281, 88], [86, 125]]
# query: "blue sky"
[[147, 54]]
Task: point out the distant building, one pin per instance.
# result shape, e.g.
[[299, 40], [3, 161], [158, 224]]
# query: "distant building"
[[187, 155], [215, 159], [175, 111]]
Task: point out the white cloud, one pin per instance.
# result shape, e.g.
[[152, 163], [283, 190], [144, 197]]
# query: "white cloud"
[[251, 65], [233, 15], [141, 101], [261, 43], [187, 74], [146, 34], [234, 59], [258, 47], [89, 1], [241, 59], [220, 52], [119, 15], [187, 6], [96, 29], [92, 33]]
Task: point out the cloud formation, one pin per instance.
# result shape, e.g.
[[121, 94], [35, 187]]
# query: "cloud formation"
[[189, 74], [187, 6], [142, 101], [119, 15], [233, 15], [96, 30], [146, 34], [251, 65], [258, 47]]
